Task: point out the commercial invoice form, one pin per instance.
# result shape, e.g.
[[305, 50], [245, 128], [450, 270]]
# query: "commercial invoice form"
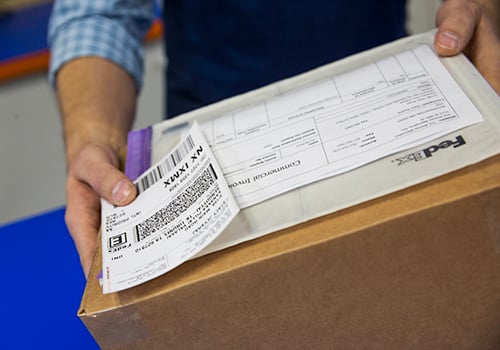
[[337, 124]]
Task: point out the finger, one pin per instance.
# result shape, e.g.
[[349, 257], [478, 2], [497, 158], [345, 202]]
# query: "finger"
[[476, 33], [97, 166], [82, 219], [456, 21]]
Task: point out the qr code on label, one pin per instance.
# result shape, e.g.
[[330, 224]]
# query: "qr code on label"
[[177, 206]]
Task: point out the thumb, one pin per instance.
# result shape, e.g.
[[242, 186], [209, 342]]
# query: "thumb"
[[456, 22], [98, 166], [465, 26]]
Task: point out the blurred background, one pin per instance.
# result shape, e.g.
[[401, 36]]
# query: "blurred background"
[[32, 166]]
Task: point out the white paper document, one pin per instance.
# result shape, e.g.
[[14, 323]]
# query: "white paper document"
[[183, 204], [337, 124]]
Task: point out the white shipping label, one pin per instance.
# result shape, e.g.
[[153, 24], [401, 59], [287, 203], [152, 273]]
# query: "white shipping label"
[[183, 204]]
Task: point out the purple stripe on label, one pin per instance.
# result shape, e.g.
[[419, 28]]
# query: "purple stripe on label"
[[138, 152]]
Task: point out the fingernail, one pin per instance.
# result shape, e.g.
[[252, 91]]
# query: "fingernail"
[[121, 191], [448, 40]]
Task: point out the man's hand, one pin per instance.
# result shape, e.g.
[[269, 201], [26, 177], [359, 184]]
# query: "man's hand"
[[97, 100], [471, 27], [93, 173]]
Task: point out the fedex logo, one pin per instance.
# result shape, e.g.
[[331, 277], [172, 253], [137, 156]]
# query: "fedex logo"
[[429, 151]]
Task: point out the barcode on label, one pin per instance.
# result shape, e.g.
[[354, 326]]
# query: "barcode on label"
[[177, 206], [167, 165]]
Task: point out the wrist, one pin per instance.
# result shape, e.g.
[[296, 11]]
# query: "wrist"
[[78, 135]]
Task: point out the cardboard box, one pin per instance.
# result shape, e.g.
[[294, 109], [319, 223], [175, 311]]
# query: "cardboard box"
[[416, 269]]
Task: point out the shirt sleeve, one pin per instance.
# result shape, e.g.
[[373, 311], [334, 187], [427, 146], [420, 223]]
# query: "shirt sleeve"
[[112, 29]]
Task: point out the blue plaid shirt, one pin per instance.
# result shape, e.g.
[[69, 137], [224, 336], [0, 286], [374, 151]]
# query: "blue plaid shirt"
[[112, 29]]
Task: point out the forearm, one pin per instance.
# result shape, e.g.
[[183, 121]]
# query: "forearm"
[[97, 101]]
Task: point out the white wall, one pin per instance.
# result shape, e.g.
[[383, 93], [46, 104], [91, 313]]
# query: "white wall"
[[32, 165], [421, 15]]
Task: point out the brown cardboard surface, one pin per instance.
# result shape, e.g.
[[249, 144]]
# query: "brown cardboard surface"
[[419, 268]]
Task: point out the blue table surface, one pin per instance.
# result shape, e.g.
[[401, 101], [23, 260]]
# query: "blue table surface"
[[42, 286]]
